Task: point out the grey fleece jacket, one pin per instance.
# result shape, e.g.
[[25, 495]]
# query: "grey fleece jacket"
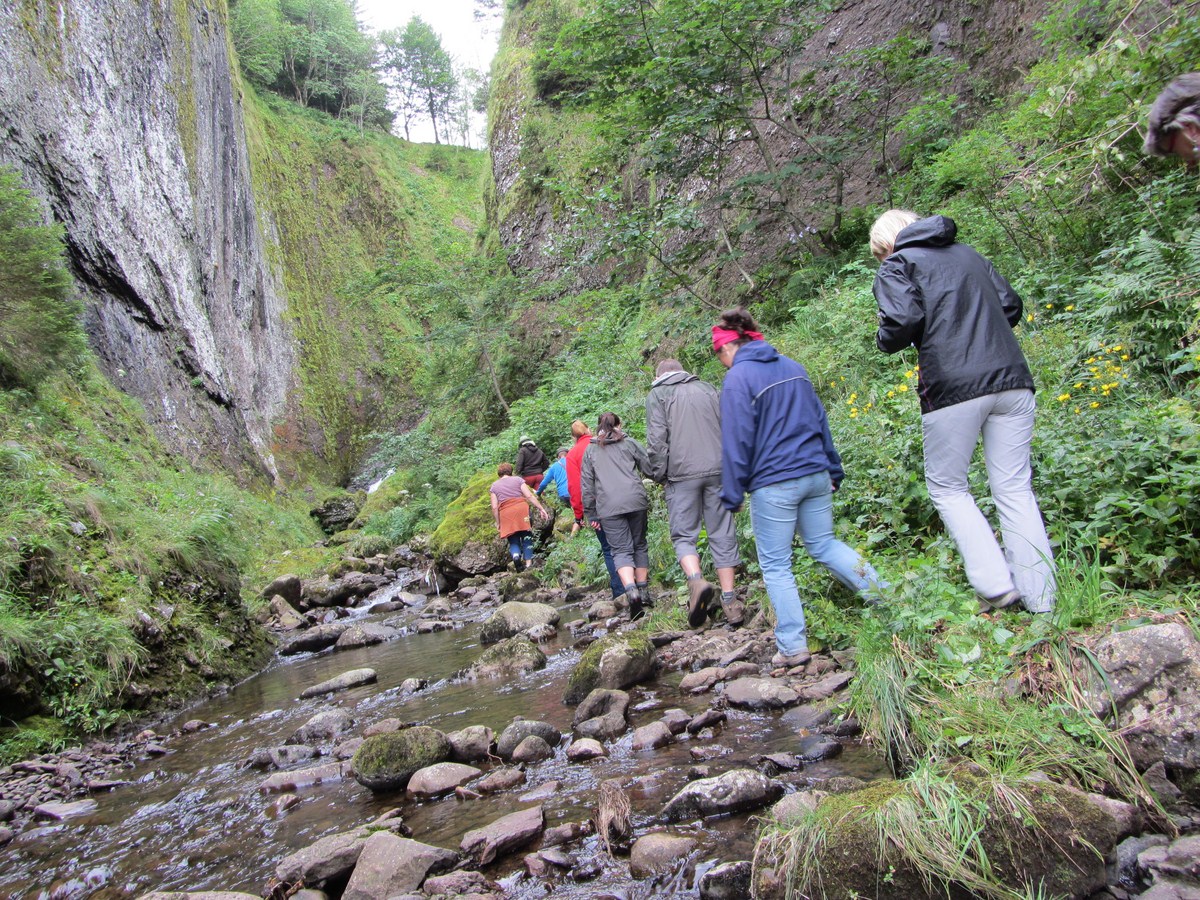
[[609, 479], [683, 428]]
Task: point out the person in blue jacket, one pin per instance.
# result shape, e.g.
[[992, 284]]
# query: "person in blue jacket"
[[776, 447], [557, 474]]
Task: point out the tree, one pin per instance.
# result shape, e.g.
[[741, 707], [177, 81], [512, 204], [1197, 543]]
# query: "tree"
[[420, 74], [39, 322], [257, 30]]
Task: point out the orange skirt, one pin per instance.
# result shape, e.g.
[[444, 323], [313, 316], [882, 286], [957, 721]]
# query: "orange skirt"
[[514, 516]]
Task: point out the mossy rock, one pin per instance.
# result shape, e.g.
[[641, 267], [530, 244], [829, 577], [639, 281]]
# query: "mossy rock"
[[466, 539], [514, 656], [513, 618], [385, 762], [615, 661], [468, 517], [1034, 833]]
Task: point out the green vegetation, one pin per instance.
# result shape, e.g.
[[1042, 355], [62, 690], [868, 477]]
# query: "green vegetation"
[[38, 316], [359, 219], [118, 561]]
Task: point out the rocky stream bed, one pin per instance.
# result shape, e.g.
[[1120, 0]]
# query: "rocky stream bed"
[[413, 741]]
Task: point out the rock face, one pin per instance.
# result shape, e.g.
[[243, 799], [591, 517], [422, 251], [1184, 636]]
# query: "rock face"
[[994, 44], [124, 121], [1154, 673], [616, 661], [385, 762]]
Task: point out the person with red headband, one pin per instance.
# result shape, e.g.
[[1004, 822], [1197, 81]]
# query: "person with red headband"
[[776, 446]]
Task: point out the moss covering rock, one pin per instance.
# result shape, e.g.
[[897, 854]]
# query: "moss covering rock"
[[514, 656], [615, 661], [513, 618], [385, 762], [960, 835], [466, 542]]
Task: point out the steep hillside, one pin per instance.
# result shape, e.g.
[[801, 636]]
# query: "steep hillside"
[[719, 148]]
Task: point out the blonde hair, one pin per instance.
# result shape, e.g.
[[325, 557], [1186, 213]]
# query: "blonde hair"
[[885, 229], [579, 428]]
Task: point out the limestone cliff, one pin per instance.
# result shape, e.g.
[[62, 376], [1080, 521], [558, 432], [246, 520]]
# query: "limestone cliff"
[[124, 119]]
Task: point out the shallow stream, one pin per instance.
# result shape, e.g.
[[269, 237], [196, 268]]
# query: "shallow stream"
[[195, 818]]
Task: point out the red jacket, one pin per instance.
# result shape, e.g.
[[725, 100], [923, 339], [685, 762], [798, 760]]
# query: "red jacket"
[[574, 480]]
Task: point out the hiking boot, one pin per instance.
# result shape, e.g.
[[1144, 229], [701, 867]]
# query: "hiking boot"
[[636, 610], [735, 611], [700, 595], [1005, 600], [790, 660]]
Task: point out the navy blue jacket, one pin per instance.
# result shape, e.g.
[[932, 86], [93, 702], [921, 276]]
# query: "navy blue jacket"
[[773, 426]]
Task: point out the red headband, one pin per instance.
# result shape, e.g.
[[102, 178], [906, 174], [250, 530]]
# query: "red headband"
[[722, 336]]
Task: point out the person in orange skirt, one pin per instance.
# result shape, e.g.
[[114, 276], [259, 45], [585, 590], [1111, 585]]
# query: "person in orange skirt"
[[511, 498]]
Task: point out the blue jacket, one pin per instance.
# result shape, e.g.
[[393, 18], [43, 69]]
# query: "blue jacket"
[[558, 474], [773, 426]]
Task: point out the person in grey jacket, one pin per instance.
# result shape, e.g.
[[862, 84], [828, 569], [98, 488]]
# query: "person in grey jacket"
[[948, 301], [683, 441], [614, 499]]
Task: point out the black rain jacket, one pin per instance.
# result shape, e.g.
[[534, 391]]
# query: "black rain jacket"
[[948, 301]]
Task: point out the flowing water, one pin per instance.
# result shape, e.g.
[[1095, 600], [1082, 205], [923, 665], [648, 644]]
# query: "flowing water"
[[195, 819]]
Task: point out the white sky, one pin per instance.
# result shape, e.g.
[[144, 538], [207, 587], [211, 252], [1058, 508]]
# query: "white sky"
[[471, 43]]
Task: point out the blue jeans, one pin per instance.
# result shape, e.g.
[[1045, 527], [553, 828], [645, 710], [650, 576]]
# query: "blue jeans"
[[802, 506], [520, 545]]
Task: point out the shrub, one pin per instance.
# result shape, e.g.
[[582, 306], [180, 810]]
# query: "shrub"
[[39, 329]]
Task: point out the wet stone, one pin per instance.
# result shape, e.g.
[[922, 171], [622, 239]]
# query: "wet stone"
[[344, 682], [523, 728], [585, 749], [566, 833], [817, 747], [826, 687], [542, 792], [324, 726], [303, 778], [471, 744], [652, 737], [677, 720], [728, 881], [532, 749], [659, 852], [503, 836], [706, 719], [59, 811], [365, 634], [440, 778], [389, 865], [760, 693], [711, 751], [384, 726], [739, 790], [503, 779]]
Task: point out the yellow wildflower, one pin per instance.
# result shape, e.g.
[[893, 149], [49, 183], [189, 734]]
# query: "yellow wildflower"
[[902, 388], [1063, 398]]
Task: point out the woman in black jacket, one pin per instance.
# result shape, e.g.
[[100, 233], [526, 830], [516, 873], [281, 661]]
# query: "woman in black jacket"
[[948, 301]]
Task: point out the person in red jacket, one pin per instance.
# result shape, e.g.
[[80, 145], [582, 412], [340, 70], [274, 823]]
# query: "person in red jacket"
[[583, 437]]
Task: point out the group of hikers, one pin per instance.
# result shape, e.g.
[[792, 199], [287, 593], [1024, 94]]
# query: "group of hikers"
[[766, 434]]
